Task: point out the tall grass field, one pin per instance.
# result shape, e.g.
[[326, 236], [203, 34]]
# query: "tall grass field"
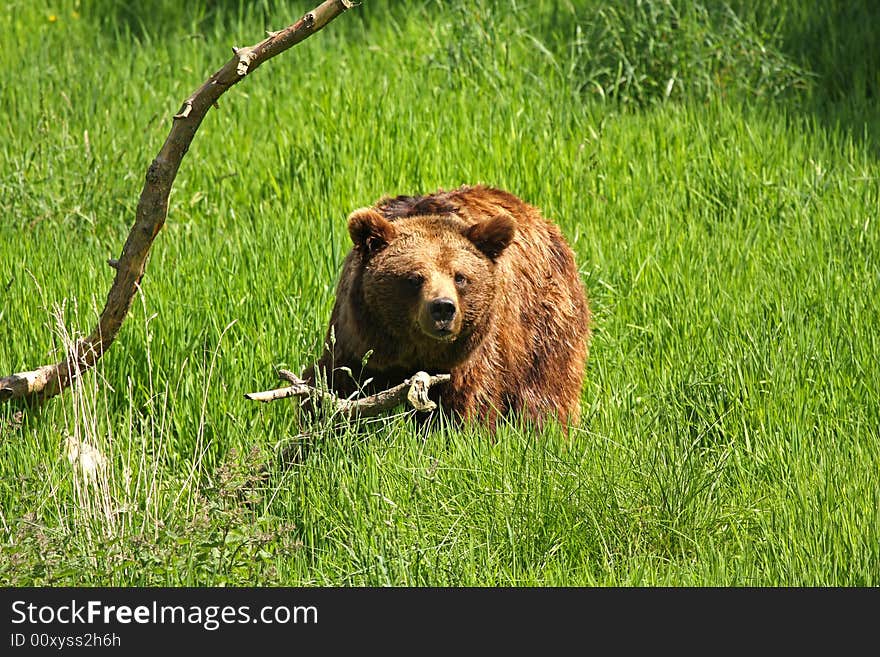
[[713, 165]]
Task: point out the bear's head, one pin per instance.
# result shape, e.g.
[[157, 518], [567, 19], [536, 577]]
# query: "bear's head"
[[429, 283]]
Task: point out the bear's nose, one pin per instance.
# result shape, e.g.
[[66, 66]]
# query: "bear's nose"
[[442, 309]]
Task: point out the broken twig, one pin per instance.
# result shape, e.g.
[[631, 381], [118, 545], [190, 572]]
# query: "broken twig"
[[413, 390]]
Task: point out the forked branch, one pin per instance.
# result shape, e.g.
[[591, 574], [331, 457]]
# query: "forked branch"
[[49, 380], [413, 390]]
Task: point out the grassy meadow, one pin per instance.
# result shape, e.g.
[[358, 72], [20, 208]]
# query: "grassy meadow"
[[714, 166]]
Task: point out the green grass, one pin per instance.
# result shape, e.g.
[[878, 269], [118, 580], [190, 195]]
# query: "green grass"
[[727, 232]]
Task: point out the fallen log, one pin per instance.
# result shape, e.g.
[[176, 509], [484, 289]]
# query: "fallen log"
[[49, 380]]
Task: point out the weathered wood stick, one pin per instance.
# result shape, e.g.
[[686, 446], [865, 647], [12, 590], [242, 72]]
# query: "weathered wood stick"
[[49, 380], [413, 390]]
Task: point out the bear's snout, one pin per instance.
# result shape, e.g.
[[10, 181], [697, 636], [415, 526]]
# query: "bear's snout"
[[442, 310], [439, 317]]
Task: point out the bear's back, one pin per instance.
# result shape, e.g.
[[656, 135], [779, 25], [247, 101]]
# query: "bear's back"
[[472, 203]]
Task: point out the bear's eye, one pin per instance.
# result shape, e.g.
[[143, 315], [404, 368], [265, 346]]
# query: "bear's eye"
[[461, 280], [415, 281]]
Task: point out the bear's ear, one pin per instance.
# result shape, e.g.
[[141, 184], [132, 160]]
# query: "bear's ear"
[[493, 235], [369, 230]]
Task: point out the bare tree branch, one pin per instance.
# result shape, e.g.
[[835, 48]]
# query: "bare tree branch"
[[413, 390], [49, 380]]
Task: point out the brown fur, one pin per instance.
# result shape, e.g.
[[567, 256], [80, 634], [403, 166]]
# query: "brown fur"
[[518, 339]]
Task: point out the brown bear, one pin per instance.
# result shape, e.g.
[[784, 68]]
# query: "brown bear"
[[472, 282]]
